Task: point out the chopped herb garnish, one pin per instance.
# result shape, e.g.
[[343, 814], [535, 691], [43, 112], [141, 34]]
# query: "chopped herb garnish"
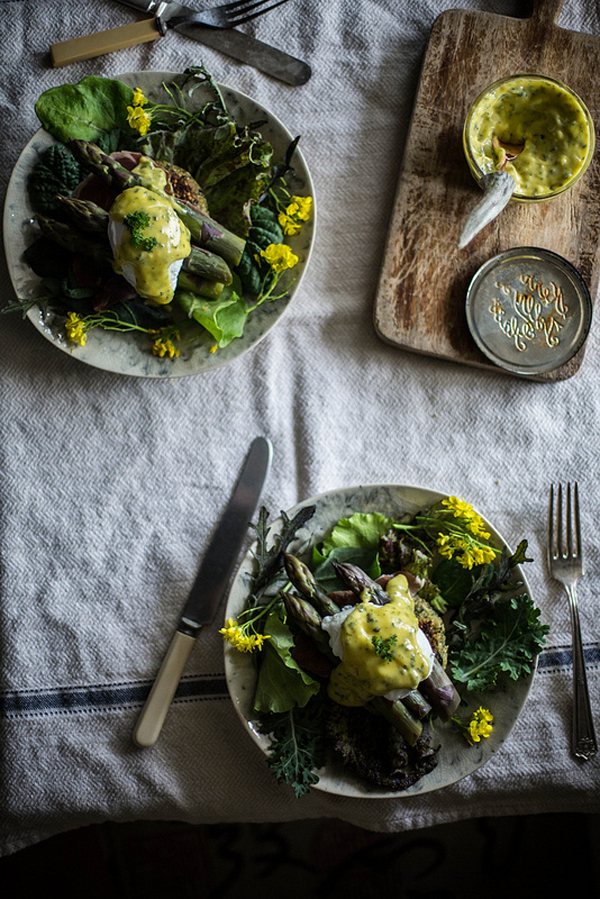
[[138, 222], [383, 647]]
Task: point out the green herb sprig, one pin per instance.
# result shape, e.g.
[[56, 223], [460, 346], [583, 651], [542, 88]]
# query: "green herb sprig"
[[383, 646], [138, 222]]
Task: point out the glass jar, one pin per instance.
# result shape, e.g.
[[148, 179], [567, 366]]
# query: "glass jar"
[[542, 116]]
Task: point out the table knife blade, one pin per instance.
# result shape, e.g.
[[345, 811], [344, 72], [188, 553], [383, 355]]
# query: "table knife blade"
[[207, 591]]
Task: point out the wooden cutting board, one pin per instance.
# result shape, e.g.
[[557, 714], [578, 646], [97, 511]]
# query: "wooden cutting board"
[[420, 300]]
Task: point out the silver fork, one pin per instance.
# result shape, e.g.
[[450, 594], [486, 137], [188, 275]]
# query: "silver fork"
[[229, 15], [565, 563]]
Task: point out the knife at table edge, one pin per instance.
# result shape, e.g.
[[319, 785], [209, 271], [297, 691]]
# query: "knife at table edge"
[[236, 44], [207, 592]]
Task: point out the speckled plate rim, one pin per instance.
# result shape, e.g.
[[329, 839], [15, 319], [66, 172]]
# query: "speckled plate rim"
[[128, 354], [457, 760]]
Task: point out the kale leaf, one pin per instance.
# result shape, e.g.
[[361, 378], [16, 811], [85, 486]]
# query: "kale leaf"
[[270, 559], [509, 641], [298, 746]]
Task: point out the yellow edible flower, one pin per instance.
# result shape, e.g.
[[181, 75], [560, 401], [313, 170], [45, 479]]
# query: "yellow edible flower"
[[138, 119], [279, 257], [463, 510], [164, 347], [297, 211], [138, 98], [480, 725], [237, 635], [478, 728], [75, 328]]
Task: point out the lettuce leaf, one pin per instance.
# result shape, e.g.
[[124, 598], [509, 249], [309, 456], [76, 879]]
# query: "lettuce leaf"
[[281, 685], [361, 529], [88, 110], [224, 318]]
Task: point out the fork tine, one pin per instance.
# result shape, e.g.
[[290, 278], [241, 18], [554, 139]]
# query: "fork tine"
[[578, 549], [559, 522], [239, 16], [550, 542], [569, 550]]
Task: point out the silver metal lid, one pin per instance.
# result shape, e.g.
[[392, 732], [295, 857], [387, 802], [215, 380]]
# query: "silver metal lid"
[[528, 310]]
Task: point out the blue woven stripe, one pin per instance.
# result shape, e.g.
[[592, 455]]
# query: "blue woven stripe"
[[64, 700], [14, 703], [562, 657]]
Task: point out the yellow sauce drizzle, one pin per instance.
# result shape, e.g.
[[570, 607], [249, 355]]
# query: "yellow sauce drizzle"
[[363, 672]]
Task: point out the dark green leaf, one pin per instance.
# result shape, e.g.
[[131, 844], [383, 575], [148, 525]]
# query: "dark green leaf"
[[509, 641], [87, 110]]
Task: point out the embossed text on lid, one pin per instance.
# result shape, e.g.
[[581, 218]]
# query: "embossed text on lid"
[[528, 310]]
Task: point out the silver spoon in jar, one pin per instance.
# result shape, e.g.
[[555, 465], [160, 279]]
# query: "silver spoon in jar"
[[498, 187]]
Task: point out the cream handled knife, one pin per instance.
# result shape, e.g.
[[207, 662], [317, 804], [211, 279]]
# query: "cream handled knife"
[[209, 588], [233, 43]]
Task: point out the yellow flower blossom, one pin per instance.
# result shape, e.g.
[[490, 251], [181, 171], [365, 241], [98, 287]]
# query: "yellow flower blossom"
[[479, 727], [138, 98], [237, 635], [164, 347], [75, 328], [300, 208], [296, 212], [279, 257], [138, 119], [473, 521]]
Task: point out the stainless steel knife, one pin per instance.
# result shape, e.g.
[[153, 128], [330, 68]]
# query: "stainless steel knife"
[[233, 43], [208, 590]]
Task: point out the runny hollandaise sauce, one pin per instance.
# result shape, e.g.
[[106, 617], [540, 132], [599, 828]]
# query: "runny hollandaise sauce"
[[148, 238], [381, 650]]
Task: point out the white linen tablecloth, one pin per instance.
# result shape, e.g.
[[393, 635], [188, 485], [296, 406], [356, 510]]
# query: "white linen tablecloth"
[[110, 486]]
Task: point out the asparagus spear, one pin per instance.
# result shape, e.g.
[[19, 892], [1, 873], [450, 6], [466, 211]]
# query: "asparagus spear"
[[208, 265], [71, 239], [303, 580], [309, 621], [360, 583], [86, 215], [204, 229], [202, 287], [399, 717]]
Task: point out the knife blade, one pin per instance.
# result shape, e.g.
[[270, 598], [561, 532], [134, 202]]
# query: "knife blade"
[[236, 44], [207, 591]]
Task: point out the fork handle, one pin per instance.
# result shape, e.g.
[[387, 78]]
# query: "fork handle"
[[92, 45], [583, 737]]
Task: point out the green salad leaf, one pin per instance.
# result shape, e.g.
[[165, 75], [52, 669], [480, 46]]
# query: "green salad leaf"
[[93, 107], [223, 318], [361, 529], [510, 638], [282, 684]]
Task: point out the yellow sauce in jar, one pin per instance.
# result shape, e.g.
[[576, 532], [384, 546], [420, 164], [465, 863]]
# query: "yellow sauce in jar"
[[544, 117], [381, 649]]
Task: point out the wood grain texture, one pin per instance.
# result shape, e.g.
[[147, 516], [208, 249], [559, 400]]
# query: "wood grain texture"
[[420, 299]]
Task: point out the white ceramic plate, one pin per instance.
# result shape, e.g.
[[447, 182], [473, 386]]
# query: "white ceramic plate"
[[128, 354], [456, 758]]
